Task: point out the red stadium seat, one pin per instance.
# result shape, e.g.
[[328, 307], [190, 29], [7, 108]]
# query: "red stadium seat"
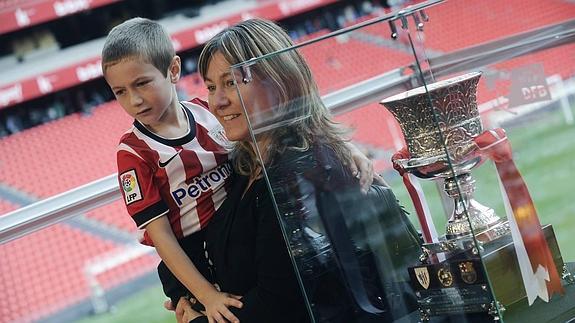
[[6, 206]]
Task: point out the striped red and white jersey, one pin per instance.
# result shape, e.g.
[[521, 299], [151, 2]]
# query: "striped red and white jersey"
[[184, 178]]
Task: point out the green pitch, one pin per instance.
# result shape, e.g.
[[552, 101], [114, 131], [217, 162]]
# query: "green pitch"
[[145, 306]]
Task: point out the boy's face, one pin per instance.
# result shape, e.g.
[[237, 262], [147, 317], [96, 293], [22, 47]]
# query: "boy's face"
[[142, 90]]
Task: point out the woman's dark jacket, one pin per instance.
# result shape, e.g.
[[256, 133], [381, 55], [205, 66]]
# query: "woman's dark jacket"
[[250, 256]]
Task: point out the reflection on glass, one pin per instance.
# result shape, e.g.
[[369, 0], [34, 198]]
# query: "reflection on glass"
[[350, 248]]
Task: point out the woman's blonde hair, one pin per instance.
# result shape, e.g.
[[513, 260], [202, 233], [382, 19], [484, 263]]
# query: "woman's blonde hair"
[[301, 118]]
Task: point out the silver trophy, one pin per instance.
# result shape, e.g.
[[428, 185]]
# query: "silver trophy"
[[439, 126], [439, 139]]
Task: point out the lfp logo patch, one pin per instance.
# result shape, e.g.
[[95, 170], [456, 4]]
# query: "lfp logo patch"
[[130, 186]]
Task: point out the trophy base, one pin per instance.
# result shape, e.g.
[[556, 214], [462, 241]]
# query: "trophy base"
[[459, 284], [454, 245]]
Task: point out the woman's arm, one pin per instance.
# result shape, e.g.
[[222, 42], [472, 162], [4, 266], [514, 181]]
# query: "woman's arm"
[[185, 313]]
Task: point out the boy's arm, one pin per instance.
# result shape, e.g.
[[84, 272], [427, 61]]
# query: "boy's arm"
[[186, 272], [147, 208], [175, 258]]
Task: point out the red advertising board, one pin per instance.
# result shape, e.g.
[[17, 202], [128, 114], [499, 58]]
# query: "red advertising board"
[[50, 82], [31, 13]]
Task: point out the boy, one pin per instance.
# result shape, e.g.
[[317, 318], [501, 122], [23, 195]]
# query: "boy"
[[171, 167]]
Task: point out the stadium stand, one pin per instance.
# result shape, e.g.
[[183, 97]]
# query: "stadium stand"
[[340, 62], [44, 270], [453, 33], [113, 215], [490, 21], [6, 206], [79, 147]]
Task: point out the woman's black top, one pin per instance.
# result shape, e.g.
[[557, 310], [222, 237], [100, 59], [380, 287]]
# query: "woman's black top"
[[250, 257], [247, 248]]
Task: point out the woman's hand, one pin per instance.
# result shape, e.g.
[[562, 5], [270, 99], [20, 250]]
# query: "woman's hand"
[[184, 311], [362, 169]]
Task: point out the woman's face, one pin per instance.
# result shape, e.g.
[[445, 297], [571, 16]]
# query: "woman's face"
[[225, 103]]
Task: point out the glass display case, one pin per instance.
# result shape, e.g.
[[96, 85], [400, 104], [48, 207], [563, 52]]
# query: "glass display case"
[[466, 110]]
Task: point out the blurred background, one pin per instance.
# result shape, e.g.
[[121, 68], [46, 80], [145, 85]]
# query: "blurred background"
[[59, 126]]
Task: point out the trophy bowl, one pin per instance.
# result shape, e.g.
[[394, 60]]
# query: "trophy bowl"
[[439, 122]]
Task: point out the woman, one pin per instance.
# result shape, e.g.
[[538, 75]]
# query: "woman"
[[304, 156]]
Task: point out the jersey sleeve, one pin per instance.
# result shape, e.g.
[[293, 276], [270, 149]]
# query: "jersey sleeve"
[[141, 195]]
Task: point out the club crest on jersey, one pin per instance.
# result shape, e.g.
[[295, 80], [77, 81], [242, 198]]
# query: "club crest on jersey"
[[130, 186], [218, 135]]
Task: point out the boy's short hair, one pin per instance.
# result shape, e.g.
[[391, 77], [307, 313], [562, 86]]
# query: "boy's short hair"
[[142, 38]]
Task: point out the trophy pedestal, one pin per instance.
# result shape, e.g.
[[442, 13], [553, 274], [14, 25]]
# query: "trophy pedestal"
[[459, 283]]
